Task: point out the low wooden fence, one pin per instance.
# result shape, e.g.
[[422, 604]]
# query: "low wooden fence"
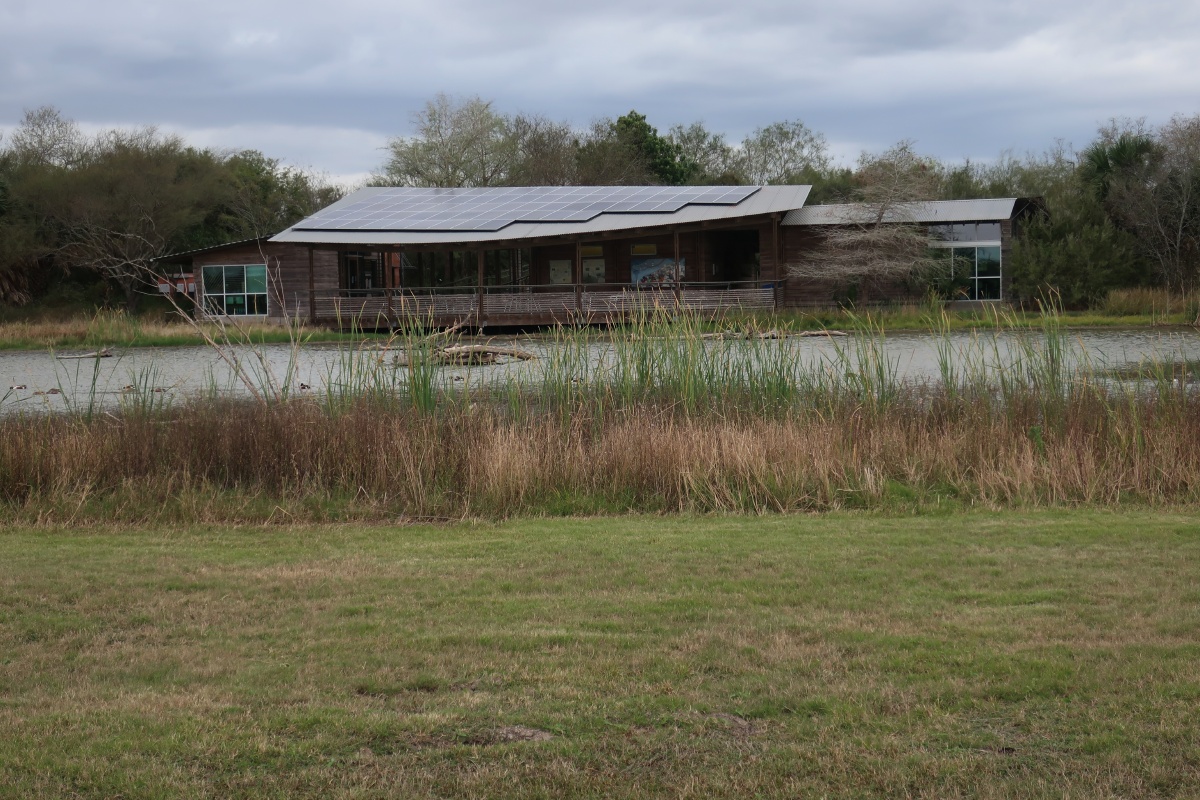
[[531, 305]]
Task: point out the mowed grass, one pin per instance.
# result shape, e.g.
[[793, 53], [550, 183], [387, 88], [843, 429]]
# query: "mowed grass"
[[1001, 654]]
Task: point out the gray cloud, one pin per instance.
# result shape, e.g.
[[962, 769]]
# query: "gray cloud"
[[325, 84]]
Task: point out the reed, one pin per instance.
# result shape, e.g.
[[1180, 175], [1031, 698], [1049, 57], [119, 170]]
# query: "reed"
[[1156, 303], [658, 416]]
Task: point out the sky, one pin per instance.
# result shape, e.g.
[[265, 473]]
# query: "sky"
[[324, 86]]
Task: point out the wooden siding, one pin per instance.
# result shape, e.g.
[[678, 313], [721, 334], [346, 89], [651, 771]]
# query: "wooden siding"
[[801, 292], [287, 272]]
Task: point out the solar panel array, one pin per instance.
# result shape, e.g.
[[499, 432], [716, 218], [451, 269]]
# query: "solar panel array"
[[490, 209]]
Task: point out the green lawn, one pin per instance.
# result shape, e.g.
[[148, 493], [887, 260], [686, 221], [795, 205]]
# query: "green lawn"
[[1015, 654]]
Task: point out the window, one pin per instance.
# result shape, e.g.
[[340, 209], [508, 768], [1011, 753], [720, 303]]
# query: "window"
[[235, 290], [361, 271], [966, 232], [593, 263], [560, 270], [974, 252]]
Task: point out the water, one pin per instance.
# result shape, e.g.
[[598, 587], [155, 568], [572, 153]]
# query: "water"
[[56, 384]]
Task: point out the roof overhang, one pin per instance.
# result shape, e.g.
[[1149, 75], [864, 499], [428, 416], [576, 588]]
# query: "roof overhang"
[[928, 211], [761, 205]]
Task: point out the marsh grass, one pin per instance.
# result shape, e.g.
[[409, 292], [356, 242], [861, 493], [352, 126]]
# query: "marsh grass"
[[665, 420], [989, 655], [1158, 304], [107, 328]]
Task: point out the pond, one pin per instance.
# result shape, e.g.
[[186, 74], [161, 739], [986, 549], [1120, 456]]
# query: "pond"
[[42, 380]]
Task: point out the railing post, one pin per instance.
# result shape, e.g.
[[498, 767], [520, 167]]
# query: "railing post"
[[777, 246], [479, 297], [678, 288], [577, 274], [385, 261], [312, 289]]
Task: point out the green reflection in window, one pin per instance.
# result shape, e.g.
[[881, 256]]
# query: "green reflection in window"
[[214, 280], [256, 279], [987, 289], [235, 290], [987, 262]]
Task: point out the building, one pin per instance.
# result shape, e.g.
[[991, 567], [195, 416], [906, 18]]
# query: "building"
[[544, 255], [974, 236]]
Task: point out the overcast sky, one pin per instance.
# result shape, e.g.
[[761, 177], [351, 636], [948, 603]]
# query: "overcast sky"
[[324, 85]]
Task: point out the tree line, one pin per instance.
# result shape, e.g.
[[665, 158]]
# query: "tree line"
[[1123, 211], [115, 202]]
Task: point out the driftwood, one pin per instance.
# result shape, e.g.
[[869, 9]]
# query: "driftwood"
[[771, 334], [103, 352], [487, 349], [462, 355]]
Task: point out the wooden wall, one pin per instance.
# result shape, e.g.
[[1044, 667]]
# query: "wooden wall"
[[287, 273], [814, 292], [695, 248]]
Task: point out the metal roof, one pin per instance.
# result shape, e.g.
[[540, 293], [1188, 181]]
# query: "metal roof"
[[493, 208], [924, 211], [182, 253], [762, 200]]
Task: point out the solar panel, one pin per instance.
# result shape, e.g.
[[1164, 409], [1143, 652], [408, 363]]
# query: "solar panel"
[[490, 209]]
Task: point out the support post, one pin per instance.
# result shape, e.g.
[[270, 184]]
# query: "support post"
[[479, 303], [778, 261], [678, 288], [578, 278], [312, 289], [385, 263]]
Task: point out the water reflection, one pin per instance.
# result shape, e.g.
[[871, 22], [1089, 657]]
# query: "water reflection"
[[41, 381]]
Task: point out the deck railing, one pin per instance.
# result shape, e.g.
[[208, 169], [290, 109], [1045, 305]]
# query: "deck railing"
[[534, 305]]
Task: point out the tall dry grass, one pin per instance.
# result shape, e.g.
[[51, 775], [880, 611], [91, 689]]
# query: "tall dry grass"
[[1151, 301], [299, 461], [668, 420]]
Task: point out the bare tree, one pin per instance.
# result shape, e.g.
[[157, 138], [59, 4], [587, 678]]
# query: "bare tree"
[[716, 160], [457, 143], [783, 151], [876, 239], [545, 152], [605, 159], [46, 138], [1157, 197], [123, 208]]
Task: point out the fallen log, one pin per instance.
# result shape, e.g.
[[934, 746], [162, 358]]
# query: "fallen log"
[[511, 352], [462, 355], [103, 352]]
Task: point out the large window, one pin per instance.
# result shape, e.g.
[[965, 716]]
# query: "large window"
[[973, 250], [235, 290], [361, 271]]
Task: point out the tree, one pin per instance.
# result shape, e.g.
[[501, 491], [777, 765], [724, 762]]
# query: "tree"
[[877, 238], [782, 152], [717, 162], [264, 197], [603, 158], [1075, 252], [457, 143], [1115, 158], [545, 152], [47, 139], [34, 166], [1155, 194], [662, 157], [132, 199]]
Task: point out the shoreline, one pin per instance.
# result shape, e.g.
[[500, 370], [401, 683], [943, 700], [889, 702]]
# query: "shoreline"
[[120, 332]]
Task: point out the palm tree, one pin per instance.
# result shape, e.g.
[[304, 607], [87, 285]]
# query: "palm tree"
[[1102, 163]]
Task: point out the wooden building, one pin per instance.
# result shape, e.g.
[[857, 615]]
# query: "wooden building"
[[974, 236], [545, 255]]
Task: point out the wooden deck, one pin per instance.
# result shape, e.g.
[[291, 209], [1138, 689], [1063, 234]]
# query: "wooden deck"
[[558, 305]]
